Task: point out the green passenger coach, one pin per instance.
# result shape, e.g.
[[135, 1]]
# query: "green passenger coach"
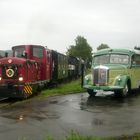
[[115, 70]]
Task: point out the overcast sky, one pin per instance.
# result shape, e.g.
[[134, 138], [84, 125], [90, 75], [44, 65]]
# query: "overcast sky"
[[56, 23]]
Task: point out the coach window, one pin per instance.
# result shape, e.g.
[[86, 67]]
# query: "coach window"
[[38, 52]]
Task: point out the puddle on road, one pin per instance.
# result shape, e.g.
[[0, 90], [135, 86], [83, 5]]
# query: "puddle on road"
[[24, 112], [103, 103], [41, 110], [53, 102], [98, 122]]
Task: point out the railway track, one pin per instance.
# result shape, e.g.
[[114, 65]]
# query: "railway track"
[[6, 102], [2, 99]]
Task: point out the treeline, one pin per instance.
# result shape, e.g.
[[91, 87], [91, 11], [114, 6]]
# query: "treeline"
[[83, 50]]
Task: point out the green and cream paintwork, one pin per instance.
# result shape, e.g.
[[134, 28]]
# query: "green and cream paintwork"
[[119, 75]]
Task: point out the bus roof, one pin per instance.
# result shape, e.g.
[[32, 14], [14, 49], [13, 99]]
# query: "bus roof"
[[117, 50]]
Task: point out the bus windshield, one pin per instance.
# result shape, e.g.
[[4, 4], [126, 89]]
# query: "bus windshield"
[[111, 59]]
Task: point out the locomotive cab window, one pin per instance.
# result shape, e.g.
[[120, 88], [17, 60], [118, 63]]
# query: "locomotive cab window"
[[20, 52], [38, 52]]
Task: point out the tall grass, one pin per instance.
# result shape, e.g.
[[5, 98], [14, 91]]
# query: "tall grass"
[[75, 136]]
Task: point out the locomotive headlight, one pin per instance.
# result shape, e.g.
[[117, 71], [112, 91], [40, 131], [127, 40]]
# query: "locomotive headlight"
[[20, 78]]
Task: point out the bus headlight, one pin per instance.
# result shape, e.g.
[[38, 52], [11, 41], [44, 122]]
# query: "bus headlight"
[[0, 78], [20, 79], [86, 78]]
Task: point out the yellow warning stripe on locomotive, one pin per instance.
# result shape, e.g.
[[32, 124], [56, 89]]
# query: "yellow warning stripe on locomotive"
[[27, 89]]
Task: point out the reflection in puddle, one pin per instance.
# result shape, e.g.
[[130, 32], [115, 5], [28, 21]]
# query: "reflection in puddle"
[[98, 122], [109, 102], [21, 117]]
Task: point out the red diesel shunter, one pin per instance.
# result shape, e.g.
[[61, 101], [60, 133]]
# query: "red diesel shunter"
[[26, 72]]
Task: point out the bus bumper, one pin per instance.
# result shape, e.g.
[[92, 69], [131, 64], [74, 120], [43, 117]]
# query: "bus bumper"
[[104, 88]]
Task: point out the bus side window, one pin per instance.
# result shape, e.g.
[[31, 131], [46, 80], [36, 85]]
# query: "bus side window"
[[136, 60]]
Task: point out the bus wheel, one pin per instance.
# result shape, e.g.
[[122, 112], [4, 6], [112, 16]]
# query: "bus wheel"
[[91, 92], [124, 92]]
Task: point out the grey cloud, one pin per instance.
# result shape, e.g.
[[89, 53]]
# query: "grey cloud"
[[56, 23]]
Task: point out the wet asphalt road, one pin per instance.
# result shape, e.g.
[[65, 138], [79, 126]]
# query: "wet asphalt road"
[[57, 116]]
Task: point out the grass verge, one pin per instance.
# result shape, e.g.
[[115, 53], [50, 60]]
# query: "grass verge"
[[61, 89], [65, 88]]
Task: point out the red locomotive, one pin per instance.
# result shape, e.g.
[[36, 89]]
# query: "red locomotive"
[[29, 69]]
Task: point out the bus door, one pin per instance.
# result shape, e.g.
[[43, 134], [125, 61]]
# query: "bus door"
[[135, 75]]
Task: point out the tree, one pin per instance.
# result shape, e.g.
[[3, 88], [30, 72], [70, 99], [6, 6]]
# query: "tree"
[[81, 49], [2, 53], [102, 46]]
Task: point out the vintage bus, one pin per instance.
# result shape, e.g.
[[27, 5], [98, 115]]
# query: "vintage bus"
[[116, 70]]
